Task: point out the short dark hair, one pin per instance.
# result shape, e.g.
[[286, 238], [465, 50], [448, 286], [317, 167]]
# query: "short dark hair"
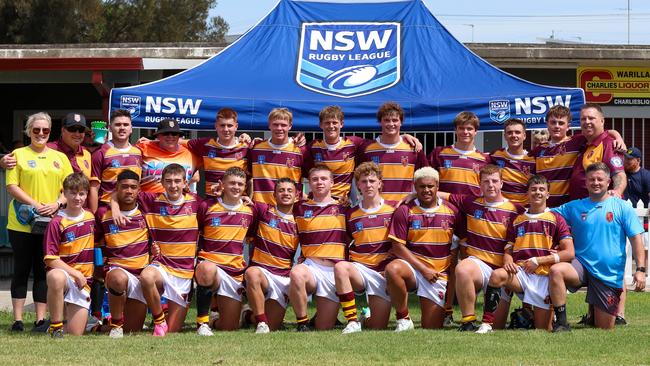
[[598, 166], [226, 113], [592, 106], [76, 182], [514, 121], [558, 111], [320, 167], [234, 171], [128, 174], [120, 113], [283, 180], [331, 111], [174, 169], [467, 117], [538, 179], [390, 108]]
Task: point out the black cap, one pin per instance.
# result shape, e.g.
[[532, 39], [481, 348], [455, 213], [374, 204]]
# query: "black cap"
[[633, 152], [74, 119], [168, 125]]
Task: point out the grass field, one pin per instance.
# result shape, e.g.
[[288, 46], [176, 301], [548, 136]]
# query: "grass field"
[[628, 345]]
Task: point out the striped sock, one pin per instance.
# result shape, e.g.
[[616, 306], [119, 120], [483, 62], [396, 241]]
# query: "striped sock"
[[302, 320], [159, 318], [202, 319], [261, 318], [449, 310], [117, 322], [55, 325], [349, 306], [402, 314], [468, 319]]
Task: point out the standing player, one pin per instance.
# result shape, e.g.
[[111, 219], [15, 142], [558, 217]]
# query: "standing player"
[[321, 230], [487, 220], [537, 239], [422, 232], [225, 224], [396, 158], [516, 166], [275, 245], [368, 226], [126, 253], [69, 244]]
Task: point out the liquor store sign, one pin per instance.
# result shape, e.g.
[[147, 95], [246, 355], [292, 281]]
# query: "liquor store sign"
[[624, 86]]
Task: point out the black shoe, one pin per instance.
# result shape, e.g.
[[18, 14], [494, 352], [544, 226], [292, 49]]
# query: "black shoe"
[[587, 319], [557, 328], [620, 320], [467, 327], [303, 328], [18, 326], [41, 326]]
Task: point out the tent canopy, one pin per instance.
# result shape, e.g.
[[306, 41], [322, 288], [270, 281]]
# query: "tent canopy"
[[305, 55]]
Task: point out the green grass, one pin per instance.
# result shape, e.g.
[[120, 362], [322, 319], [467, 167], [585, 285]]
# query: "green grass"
[[629, 345]]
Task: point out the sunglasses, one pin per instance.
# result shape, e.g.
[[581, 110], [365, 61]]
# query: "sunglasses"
[[38, 131], [76, 129], [175, 134]]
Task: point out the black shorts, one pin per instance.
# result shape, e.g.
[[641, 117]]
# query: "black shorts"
[[600, 295]]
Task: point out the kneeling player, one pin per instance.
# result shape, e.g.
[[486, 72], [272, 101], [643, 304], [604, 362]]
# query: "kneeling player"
[[537, 239], [321, 230], [267, 277], [422, 232], [225, 223], [69, 245], [368, 225], [126, 252]]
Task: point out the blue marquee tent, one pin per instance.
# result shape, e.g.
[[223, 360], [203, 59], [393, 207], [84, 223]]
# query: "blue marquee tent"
[[305, 55]]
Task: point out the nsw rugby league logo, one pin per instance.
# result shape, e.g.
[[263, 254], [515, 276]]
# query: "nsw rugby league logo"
[[349, 59], [131, 103], [499, 110]]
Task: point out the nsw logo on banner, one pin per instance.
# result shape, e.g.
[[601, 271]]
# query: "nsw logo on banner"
[[131, 103], [349, 59]]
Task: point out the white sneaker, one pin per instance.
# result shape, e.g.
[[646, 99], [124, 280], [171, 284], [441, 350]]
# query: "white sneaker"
[[116, 333], [262, 328], [484, 329], [352, 327], [204, 330], [404, 325]]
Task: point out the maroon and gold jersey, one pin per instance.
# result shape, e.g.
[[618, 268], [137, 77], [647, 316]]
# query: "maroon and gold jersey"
[[536, 235], [600, 150], [72, 240], [126, 247], [515, 172], [321, 229], [426, 232], [339, 158], [486, 226], [109, 161], [398, 162], [276, 241], [369, 230], [458, 169], [269, 163], [80, 159], [218, 158], [173, 226], [224, 230]]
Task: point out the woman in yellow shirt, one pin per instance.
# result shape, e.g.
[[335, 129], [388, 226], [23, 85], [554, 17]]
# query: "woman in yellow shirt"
[[35, 184]]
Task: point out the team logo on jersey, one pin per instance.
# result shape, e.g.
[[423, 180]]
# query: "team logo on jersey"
[[244, 222], [416, 224], [163, 211], [346, 155], [476, 167], [318, 157], [521, 231], [335, 210], [583, 216], [261, 159], [142, 224], [444, 224], [590, 155], [446, 163], [609, 216], [616, 161], [273, 223], [505, 221], [525, 169], [546, 230], [86, 164], [349, 59], [290, 162], [131, 103], [212, 154], [309, 214], [238, 155], [386, 222], [70, 236], [499, 110], [216, 221], [56, 164], [188, 210], [375, 159], [478, 214], [358, 226], [113, 228], [115, 163], [31, 163], [501, 163], [542, 153], [405, 160], [441, 295]]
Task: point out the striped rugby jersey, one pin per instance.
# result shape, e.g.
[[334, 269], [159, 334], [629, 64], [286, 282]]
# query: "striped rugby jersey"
[[536, 235], [276, 241], [125, 247], [271, 162], [458, 169], [486, 226], [217, 158], [174, 227], [602, 150], [398, 162], [555, 162], [427, 233], [339, 158], [224, 230], [72, 240], [515, 172], [369, 230], [109, 161], [321, 229]]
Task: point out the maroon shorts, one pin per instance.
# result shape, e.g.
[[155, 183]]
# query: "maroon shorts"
[[600, 295]]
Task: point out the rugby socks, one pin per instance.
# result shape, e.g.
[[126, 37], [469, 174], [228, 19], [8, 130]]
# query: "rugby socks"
[[402, 314], [97, 291], [449, 310], [492, 297], [261, 318], [560, 314], [349, 306], [159, 318], [468, 319], [117, 322], [203, 300], [55, 326], [302, 320]]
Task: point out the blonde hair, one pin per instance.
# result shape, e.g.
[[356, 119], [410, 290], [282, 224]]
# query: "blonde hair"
[[35, 117], [426, 172], [281, 113]]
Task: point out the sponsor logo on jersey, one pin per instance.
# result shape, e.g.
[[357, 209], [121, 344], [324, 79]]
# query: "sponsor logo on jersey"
[[478, 214], [212, 154], [609, 216], [216, 221], [583, 216], [446, 163], [358, 226], [318, 157], [501, 163], [31, 163], [416, 224], [113, 228], [375, 159], [521, 231], [273, 223], [309, 214], [163, 211], [261, 159], [115, 163], [69, 236]]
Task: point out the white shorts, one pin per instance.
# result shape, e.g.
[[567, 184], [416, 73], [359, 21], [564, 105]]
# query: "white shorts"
[[434, 291], [324, 277], [175, 289], [486, 272], [72, 294], [373, 281], [228, 286], [278, 289], [133, 288], [535, 289]]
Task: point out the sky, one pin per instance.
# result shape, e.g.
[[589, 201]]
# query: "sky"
[[504, 21]]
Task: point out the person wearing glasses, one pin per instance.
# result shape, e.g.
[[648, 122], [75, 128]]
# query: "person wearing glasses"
[[164, 150], [35, 184]]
